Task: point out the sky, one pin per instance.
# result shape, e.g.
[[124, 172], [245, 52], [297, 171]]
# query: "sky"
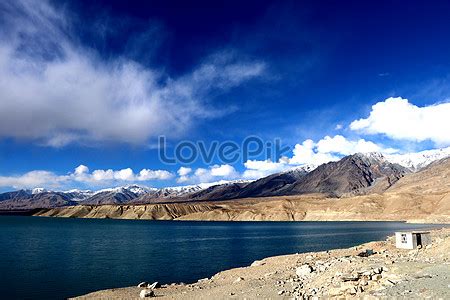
[[87, 88]]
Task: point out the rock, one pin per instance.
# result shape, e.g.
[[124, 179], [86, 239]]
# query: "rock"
[[147, 293], [238, 280], [388, 283], [257, 263], [377, 270], [363, 282], [303, 270], [377, 277], [155, 285], [280, 293], [353, 290], [203, 280], [142, 284], [334, 291], [349, 277]]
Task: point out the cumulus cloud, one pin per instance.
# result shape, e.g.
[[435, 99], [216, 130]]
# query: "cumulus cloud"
[[81, 174], [331, 149], [399, 119], [212, 174], [260, 168], [313, 153], [341, 145], [123, 175], [307, 153], [33, 179], [56, 92], [183, 171]]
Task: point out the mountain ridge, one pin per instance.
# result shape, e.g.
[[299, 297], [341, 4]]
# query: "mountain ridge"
[[355, 174]]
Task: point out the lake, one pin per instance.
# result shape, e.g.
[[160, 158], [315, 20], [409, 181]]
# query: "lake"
[[55, 258]]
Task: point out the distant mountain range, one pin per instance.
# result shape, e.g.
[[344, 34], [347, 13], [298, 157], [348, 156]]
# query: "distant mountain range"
[[356, 174]]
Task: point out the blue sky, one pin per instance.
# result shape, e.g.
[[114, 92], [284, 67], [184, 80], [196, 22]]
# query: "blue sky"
[[94, 85]]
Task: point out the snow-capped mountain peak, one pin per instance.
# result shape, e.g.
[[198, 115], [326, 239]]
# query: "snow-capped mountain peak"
[[38, 191], [136, 189], [418, 160]]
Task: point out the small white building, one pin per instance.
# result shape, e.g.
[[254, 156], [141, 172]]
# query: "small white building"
[[412, 239]]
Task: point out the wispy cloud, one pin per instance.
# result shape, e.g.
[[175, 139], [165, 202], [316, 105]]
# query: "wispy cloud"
[[56, 91]]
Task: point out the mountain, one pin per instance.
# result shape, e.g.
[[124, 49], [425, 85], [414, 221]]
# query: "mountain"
[[78, 195], [117, 195], [431, 180], [271, 185], [419, 160], [356, 174], [204, 191], [14, 195], [423, 196], [267, 186], [352, 175], [26, 200]]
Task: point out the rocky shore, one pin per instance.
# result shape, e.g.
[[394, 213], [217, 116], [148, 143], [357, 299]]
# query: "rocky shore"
[[371, 271]]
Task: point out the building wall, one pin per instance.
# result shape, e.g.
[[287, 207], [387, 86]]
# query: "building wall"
[[408, 240], [405, 240]]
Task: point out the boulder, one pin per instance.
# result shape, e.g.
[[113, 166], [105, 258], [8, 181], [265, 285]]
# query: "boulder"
[[239, 279], [257, 263], [146, 293], [143, 284], [303, 270], [154, 285]]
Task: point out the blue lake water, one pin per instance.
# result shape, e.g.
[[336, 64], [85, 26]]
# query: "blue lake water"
[[58, 258]]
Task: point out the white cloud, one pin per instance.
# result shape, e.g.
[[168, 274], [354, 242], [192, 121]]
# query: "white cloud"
[[313, 153], [341, 145], [225, 171], [146, 174], [211, 174], [260, 168], [183, 171], [32, 179], [401, 120], [123, 175], [306, 153], [81, 169], [55, 92], [81, 174]]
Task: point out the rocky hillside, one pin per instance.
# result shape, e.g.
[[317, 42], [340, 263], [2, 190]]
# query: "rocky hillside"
[[352, 175], [24, 200]]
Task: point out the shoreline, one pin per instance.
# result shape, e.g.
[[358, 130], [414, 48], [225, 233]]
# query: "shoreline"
[[390, 272], [418, 222], [291, 208]]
